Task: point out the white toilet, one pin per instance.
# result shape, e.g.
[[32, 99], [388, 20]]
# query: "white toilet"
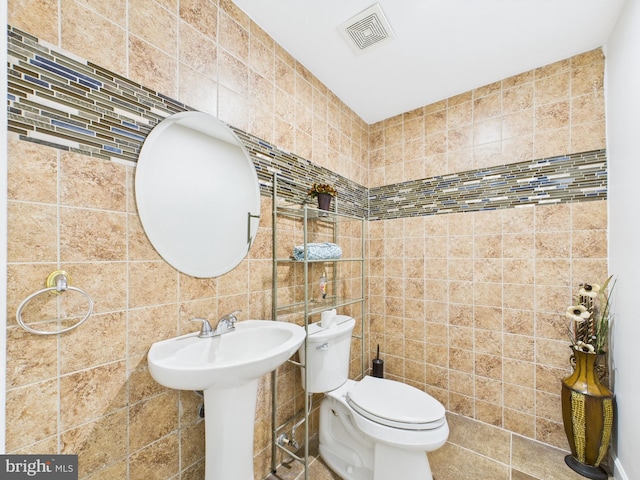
[[372, 429]]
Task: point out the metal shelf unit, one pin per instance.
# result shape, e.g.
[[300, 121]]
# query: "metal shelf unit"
[[306, 218]]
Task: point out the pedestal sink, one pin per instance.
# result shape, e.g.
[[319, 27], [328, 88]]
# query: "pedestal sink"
[[227, 369]]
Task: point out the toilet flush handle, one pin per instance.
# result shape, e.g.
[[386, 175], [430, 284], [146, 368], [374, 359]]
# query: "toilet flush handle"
[[324, 346]]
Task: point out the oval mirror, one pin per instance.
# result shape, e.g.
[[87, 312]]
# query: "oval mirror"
[[197, 193]]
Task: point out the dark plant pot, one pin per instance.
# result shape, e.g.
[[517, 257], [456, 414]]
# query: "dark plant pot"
[[587, 414], [324, 201]]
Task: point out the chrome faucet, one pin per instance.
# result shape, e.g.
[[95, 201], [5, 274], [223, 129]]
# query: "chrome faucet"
[[225, 325]]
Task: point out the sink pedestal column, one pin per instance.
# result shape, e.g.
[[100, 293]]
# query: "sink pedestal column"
[[229, 421]]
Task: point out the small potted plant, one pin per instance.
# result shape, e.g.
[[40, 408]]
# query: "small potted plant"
[[324, 193]]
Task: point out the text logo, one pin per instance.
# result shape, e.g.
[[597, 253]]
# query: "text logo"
[[39, 467]]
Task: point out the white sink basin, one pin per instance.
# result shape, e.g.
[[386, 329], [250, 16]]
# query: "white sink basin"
[[227, 369], [255, 348]]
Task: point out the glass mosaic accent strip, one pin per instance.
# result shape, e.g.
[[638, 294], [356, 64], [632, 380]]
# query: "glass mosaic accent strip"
[[71, 104], [352, 197], [568, 178]]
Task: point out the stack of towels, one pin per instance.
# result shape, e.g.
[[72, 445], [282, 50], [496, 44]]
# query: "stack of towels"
[[318, 251]]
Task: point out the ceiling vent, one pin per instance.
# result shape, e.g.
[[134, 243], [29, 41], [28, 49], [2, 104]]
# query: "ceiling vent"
[[370, 27]]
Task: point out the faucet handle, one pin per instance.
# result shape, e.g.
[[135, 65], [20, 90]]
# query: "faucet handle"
[[206, 331], [231, 317]]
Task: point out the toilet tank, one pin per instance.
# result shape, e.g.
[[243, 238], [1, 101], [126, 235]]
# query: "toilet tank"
[[328, 352]]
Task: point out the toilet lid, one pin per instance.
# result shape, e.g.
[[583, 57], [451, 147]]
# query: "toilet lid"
[[395, 404]]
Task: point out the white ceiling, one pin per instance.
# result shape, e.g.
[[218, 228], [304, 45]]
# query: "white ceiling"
[[441, 47]]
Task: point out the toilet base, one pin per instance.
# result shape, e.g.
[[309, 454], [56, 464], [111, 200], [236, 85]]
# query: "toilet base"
[[347, 470], [354, 456]]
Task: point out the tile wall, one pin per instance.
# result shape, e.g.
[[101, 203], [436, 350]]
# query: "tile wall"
[[470, 305], [89, 392], [463, 305], [552, 110]]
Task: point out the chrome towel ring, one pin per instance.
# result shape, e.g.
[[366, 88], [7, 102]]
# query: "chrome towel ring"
[[57, 283]]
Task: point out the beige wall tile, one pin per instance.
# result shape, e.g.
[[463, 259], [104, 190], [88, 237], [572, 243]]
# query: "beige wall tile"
[[92, 235], [152, 419], [518, 321], [116, 470], [460, 404], [101, 339], [587, 78], [79, 400], [200, 14], [517, 98], [26, 428], [552, 89], [152, 67], [518, 271], [588, 136], [587, 108], [93, 37], [33, 232], [197, 51], [22, 281], [546, 143], [519, 347], [157, 461], [550, 433], [517, 149], [150, 324], [36, 16], [141, 384], [192, 447], [198, 91], [90, 183], [233, 109], [139, 246], [97, 443], [108, 296], [155, 24], [487, 246], [30, 358], [233, 37], [461, 383], [31, 172], [518, 125], [553, 244], [520, 399], [552, 271], [152, 283], [519, 423]]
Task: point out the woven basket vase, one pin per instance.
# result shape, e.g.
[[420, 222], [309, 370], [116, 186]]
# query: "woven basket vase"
[[587, 413]]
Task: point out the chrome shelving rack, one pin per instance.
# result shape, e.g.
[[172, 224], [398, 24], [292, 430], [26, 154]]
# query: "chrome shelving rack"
[[308, 306]]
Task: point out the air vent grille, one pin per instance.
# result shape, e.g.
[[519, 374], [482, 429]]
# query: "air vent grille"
[[368, 28]]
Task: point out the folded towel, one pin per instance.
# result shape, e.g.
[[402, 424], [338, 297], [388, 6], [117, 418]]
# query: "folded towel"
[[318, 251]]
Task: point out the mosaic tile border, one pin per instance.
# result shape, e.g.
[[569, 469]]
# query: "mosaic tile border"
[[68, 103], [75, 105], [567, 178], [352, 197]]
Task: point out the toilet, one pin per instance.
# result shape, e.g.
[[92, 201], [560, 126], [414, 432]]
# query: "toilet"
[[372, 429]]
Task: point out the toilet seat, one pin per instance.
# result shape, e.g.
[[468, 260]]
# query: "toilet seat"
[[395, 404]]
